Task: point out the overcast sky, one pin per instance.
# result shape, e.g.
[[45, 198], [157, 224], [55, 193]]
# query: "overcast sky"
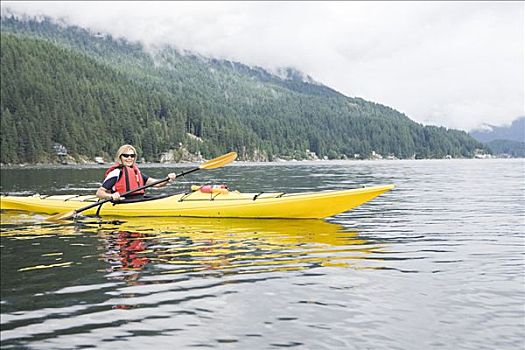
[[453, 64]]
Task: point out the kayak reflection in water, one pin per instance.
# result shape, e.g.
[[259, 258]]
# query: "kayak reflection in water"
[[124, 176]]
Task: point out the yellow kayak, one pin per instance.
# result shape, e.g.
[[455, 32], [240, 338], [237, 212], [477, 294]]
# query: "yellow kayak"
[[223, 203]]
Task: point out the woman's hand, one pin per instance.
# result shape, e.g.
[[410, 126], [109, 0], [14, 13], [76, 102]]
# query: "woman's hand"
[[114, 196], [172, 177], [104, 194]]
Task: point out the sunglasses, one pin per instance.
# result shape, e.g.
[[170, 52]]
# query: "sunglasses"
[[125, 155]]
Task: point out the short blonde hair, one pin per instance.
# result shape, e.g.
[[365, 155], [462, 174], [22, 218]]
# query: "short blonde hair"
[[124, 149]]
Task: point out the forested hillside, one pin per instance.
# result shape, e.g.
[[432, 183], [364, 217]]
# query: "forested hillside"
[[91, 93]]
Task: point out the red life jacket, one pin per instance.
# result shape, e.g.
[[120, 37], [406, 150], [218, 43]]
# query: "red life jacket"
[[129, 179]]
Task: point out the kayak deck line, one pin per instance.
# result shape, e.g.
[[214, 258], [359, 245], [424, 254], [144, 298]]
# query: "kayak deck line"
[[60, 197], [232, 204]]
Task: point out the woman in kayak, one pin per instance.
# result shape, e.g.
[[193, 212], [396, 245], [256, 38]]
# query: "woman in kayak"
[[124, 176]]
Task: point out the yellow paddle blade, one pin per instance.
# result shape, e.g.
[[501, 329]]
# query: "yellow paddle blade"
[[219, 161], [61, 216]]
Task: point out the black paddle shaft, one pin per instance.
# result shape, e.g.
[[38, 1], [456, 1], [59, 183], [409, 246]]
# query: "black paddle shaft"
[[134, 190]]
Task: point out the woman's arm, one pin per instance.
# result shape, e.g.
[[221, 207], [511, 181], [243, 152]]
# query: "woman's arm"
[[151, 180]]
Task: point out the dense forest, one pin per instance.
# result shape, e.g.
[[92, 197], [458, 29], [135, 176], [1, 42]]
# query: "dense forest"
[[91, 93]]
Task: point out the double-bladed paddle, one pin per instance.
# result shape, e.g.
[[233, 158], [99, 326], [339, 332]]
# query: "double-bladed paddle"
[[210, 164]]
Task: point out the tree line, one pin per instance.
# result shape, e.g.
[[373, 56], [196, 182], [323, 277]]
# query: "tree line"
[[91, 94]]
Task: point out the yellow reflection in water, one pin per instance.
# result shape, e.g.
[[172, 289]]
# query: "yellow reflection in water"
[[26, 226], [215, 245], [239, 246]]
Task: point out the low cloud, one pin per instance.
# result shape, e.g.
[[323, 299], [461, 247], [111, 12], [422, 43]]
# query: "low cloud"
[[454, 64]]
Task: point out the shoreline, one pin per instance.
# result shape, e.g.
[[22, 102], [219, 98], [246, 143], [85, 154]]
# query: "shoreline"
[[239, 162]]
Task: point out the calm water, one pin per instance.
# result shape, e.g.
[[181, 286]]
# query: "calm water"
[[437, 263]]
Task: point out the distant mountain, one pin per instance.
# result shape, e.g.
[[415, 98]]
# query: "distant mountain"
[[503, 140], [509, 148], [90, 93], [513, 132]]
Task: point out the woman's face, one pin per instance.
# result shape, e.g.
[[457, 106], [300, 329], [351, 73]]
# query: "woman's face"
[[128, 157]]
